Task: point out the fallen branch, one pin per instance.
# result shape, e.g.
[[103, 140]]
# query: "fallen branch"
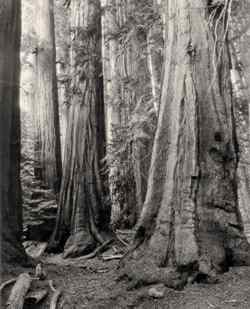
[[56, 295], [19, 291], [125, 232], [122, 241], [6, 283], [112, 257]]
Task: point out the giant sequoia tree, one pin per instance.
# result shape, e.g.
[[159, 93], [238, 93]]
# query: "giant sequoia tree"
[[10, 191], [191, 218], [82, 215], [47, 150]]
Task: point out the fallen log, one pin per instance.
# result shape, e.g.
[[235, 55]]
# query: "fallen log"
[[19, 291], [6, 283]]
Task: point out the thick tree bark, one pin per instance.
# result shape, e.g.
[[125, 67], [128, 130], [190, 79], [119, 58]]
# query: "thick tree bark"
[[10, 191], [82, 213], [191, 214], [239, 43], [48, 152]]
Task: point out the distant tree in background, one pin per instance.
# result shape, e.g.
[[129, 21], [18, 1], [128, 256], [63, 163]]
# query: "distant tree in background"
[[46, 111], [132, 51]]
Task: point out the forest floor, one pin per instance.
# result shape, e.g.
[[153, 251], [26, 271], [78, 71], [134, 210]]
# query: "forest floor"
[[93, 284]]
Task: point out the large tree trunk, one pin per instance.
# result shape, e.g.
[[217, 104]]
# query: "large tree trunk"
[[82, 213], [191, 213], [10, 191], [48, 152], [239, 46]]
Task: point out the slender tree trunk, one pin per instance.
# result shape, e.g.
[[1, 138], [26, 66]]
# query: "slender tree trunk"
[[83, 216], [10, 190], [63, 99], [191, 214], [48, 152], [111, 95], [154, 55], [62, 34]]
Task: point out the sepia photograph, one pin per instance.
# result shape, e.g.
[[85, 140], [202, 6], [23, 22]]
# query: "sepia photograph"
[[124, 154]]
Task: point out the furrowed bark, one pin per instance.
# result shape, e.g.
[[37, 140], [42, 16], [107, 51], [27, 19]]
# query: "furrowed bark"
[[10, 190], [83, 217], [238, 42], [191, 216]]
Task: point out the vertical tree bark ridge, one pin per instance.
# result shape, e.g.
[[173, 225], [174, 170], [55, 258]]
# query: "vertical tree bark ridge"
[[111, 93], [10, 190], [241, 111], [192, 195], [82, 213], [154, 56], [48, 150]]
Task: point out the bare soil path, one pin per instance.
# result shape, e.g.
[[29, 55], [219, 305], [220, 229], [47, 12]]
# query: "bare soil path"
[[93, 284]]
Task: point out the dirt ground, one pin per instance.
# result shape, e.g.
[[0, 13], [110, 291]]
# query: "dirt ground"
[[93, 284]]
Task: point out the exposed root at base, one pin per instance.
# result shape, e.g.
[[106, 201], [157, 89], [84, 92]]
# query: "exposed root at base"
[[141, 269], [56, 295], [145, 272], [29, 290]]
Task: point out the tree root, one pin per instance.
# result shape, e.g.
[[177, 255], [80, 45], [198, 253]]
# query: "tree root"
[[78, 244], [22, 293], [56, 295], [96, 251], [122, 241], [145, 272], [140, 268], [76, 249]]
